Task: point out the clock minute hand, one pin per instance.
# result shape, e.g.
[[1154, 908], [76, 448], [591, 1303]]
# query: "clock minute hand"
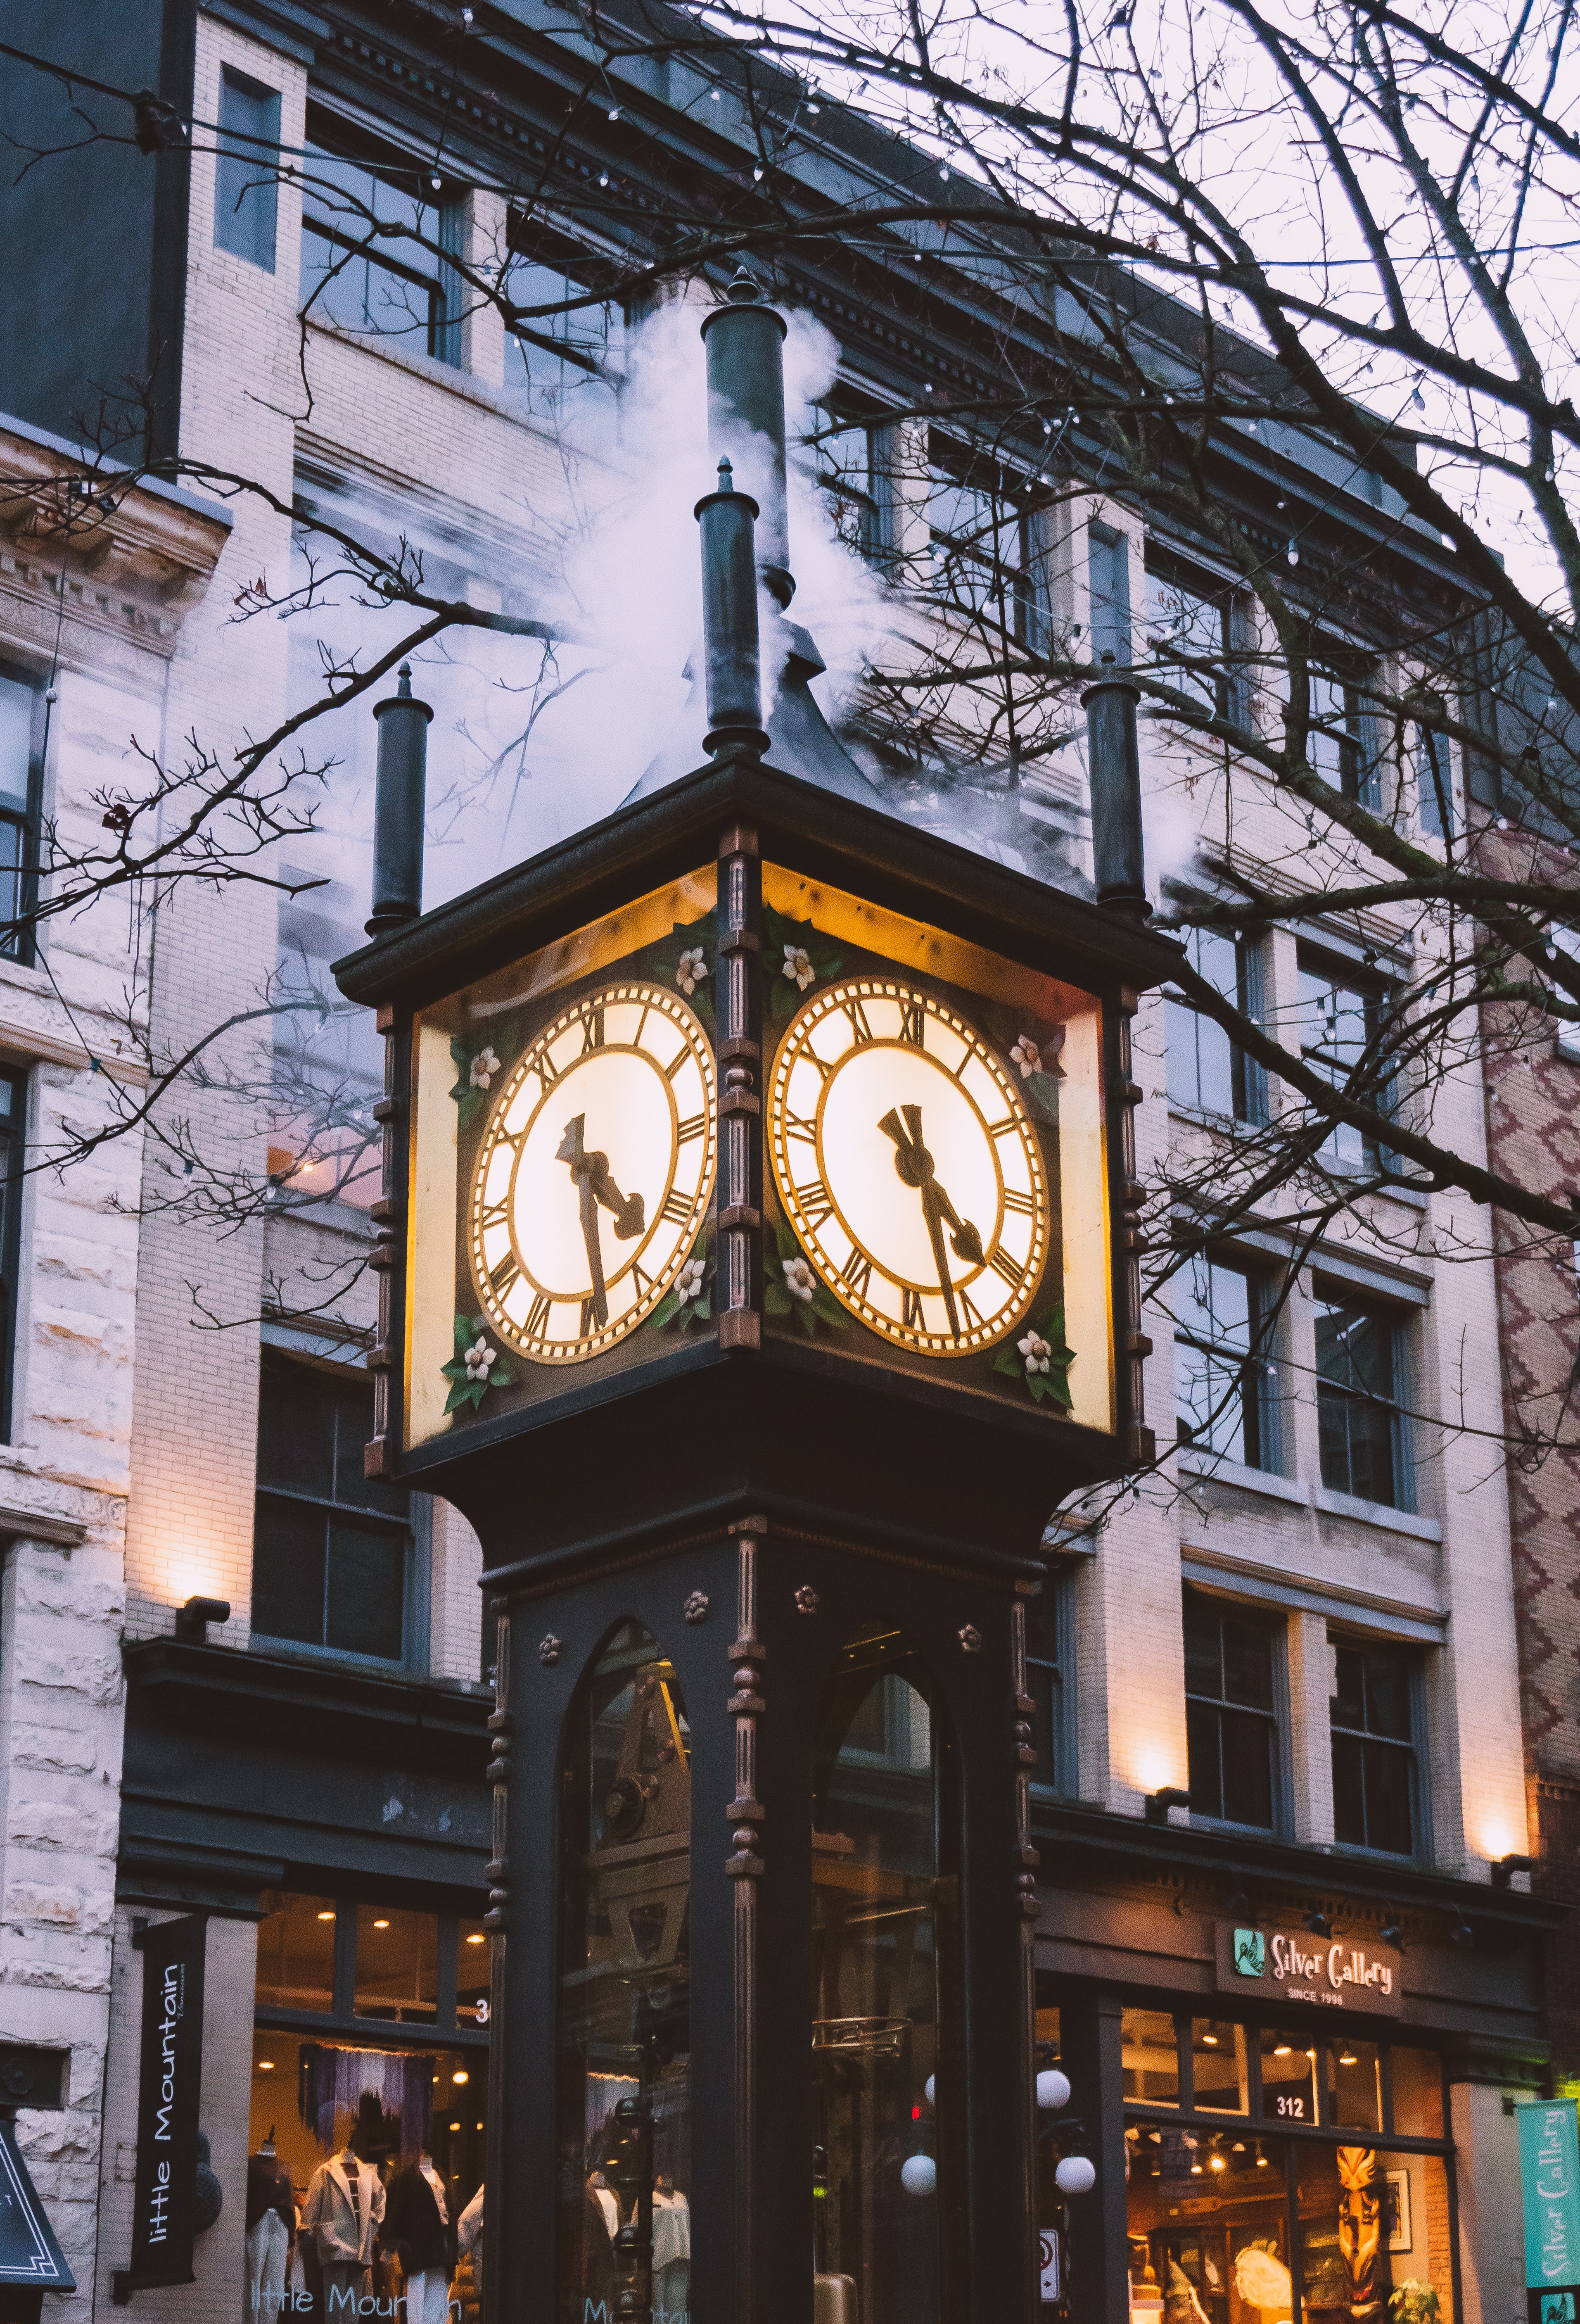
[[913, 1165], [584, 1169]]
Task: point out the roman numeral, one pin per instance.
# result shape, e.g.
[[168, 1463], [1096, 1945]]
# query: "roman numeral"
[[911, 1311], [642, 1281], [810, 1057], [537, 1317], [1008, 1270], [675, 1062], [1001, 1129], [857, 1273], [504, 1274], [692, 1127], [593, 1030], [796, 1127], [816, 1202], [973, 1320], [589, 1317], [677, 1208], [858, 1024], [548, 1072], [494, 1216], [913, 1022], [1022, 1205]]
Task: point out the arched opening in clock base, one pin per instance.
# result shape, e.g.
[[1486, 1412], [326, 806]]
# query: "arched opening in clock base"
[[623, 2051], [888, 2067]]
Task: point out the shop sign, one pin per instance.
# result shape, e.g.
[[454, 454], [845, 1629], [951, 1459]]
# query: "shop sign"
[[1048, 2266], [163, 2219], [1292, 1965], [29, 2252], [1550, 2180]]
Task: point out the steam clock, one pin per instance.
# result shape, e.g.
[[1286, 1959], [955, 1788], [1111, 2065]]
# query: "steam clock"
[[758, 1254]]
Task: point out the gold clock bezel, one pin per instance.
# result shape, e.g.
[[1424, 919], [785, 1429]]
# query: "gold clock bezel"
[[1013, 1122], [655, 1000]]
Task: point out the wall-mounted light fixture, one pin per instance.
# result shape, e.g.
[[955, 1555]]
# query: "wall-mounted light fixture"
[[1504, 1868], [1159, 1802], [193, 1618], [1320, 1924], [1392, 1932]]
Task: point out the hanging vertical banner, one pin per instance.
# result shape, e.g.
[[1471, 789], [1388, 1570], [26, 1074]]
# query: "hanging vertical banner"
[[163, 2220], [1550, 2180]]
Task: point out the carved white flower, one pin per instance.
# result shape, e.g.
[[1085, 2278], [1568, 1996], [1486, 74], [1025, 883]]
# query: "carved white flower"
[[484, 1067], [1026, 1055], [479, 1356], [688, 1283], [799, 1280], [692, 970], [1038, 1353], [797, 967]]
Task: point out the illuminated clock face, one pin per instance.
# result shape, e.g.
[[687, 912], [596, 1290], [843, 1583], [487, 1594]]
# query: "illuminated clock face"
[[595, 1173], [908, 1167]]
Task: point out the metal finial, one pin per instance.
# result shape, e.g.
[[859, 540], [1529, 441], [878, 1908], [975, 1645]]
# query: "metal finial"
[[726, 477], [744, 290], [404, 676]]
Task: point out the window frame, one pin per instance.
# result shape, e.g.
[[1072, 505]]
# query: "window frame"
[[951, 463], [1445, 824], [1277, 1718], [1373, 992], [337, 140], [1253, 1364], [378, 2032], [527, 245], [1329, 1293], [241, 190], [22, 947], [1247, 1079], [1357, 760], [1166, 571], [1057, 1748], [14, 1183], [415, 1527], [1413, 1660]]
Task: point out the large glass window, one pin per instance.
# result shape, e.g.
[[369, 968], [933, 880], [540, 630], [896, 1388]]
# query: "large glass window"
[[13, 1146], [1221, 1390], [1434, 784], [624, 2035], [1188, 630], [331, 1548], [565, 361], [1341, 1024], [328, 1064], [1150, 2050], [1370, 2222], [1339, 742], [982, 561], [1047, 1669], [245, 185], [888, 2081], [1360, 1423], [372, 235], [1231, 1712], [21, 774], [397, 1965], [1372, 1715], [1208, 1072], [296, 1952]]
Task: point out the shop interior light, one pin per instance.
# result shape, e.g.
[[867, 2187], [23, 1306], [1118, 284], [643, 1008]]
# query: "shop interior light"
[[1261, 2161], [1346, 2057], [265, 2065], [454, 2126], [380, 1924], [1281, 2050], [474, 1941], [1311, 2053], [1196, 2171], [326, 1916], [1217, 2162], [1209, 2040], [459, 2076], [1238, 2147]]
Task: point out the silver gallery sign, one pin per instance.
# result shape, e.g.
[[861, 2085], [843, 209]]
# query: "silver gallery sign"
[[1292, 1965]]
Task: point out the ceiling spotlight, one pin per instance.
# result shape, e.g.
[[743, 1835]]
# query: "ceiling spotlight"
[[326, 1916], [1217, 2162], [1346, 2057], [1209, 2040], [1260, 2160], [1196, 2171], [476, 1940], [1281, 2050], [265, 2065], [380, 1924], [460, 2076]]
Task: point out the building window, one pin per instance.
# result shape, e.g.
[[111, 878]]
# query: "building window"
[[1373, 1718], [332, 1549], [1342, 1031], [1108, 577], [1434, 785], [1190, 633], [1360, 1425], [849, 457], [21, 753], [1231, 1713], [329, 1066], [245, 189], [12, 1141], [983, 564], [1208, 1072], [1222, 1392], [1338, 739], [564, 362], [372, 243], [1050, 1681]]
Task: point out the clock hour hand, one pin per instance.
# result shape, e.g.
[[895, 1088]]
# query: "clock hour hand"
[[913, 1165], [584, 1170]]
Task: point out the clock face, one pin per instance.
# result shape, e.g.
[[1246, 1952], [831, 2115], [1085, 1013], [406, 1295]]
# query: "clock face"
[[594, 1173], [908, 1166]]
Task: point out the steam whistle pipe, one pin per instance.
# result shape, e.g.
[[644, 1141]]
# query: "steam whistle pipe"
[[730, 617], [399, 799], [745, 340], [1114, 776]]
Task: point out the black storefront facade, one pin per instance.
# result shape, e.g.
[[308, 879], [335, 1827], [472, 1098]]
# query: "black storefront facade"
[[1294, 2073], [343, 1819]]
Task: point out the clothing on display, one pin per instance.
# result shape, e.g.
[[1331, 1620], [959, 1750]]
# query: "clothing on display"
[[416, 2220], [269, 2188], [469, 2240], [671, 2254], [267, 2246], [427, 2296], [604, 2198], [345, 2207], [345, 2283]]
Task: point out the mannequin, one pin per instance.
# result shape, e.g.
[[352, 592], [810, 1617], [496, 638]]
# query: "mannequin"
[[671, 2252], [270, 2231], [344, 2205], [469, 2242], [417, 2229], [603, 2195]]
